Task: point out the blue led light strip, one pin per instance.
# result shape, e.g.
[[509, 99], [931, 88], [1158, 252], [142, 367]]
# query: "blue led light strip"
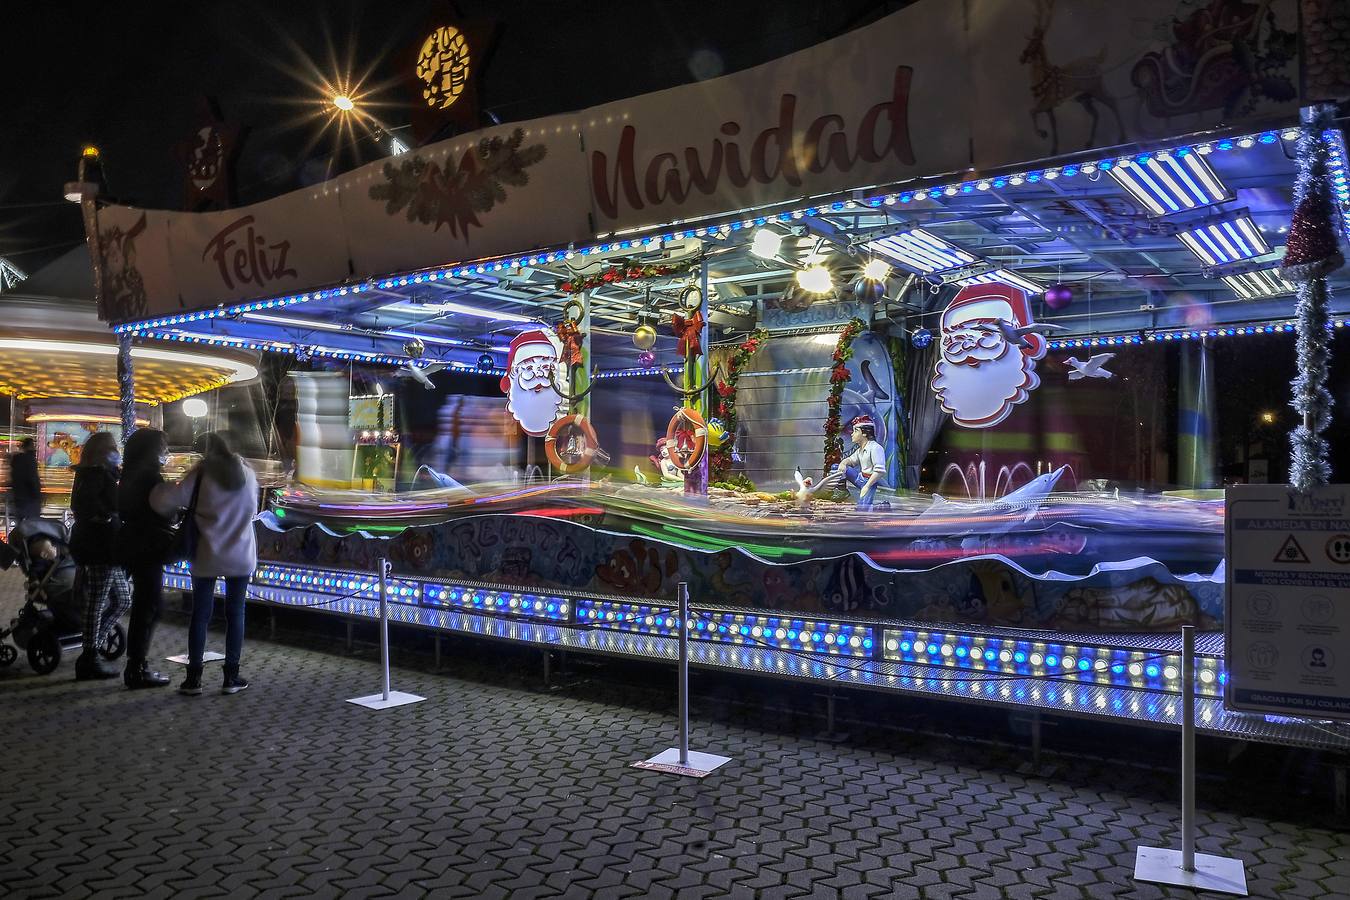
[[996, 655], [1185, 334], [1337, 168], [1138, 669]]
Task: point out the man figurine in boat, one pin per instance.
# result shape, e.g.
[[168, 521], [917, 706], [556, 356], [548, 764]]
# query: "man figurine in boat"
[[865, 467]]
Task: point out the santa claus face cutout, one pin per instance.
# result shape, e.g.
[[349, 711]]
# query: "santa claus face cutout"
[[982, 371], [533, 361]]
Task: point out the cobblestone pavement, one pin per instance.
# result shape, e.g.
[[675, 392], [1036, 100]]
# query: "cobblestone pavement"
[[492, 789]]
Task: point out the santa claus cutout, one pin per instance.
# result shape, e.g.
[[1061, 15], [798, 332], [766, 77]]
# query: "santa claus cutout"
[[987, 363], [533, 363]]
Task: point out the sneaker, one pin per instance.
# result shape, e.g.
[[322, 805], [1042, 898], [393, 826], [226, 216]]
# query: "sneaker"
[[192, 684], [234, 684]]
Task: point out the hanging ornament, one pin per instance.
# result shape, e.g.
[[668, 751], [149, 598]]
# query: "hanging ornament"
[[921, 338], [644, 337], [414, 348], [1058, 296], [485, 362], [686, 438], [646, 359]]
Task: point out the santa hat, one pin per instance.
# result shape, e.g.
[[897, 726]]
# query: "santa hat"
[[527, 339], [987, 303]]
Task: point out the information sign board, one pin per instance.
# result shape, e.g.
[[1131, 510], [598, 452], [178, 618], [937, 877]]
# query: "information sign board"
[[1287, 610]]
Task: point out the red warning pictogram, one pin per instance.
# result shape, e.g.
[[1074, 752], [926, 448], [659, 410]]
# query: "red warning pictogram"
[[1291, 552]]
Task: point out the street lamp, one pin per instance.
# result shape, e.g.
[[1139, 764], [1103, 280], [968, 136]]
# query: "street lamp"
[[343, 102]]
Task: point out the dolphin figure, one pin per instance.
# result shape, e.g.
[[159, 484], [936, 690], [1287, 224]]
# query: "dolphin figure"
[[1011, 509]]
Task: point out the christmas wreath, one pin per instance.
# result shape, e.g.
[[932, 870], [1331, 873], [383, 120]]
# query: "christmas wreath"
[[726, 402], [615, 276], [843, 352]]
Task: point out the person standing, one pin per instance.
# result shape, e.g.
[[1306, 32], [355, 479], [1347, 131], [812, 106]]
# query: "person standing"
[[24, 485], [93, 500], [144, 543], [226, 504]]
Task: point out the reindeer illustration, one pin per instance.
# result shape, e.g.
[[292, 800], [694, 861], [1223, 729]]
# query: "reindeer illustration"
[[1052, 85]]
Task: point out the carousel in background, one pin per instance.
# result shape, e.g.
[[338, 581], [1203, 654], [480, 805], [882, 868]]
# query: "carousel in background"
[[60, 375]]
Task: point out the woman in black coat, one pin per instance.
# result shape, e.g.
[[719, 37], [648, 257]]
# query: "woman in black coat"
[[143, 543], [93, 541]]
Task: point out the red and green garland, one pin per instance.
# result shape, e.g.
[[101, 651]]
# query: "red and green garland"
[[614, 276], [843, 352], [726, 402]]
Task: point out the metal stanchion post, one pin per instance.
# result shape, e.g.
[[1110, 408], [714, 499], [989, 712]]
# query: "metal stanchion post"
[[1187, 868], [386, 698], [682, 674], [681, 760]]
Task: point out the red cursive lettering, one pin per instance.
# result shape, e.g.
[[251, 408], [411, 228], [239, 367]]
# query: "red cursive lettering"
[[247, 258], [778, 153]]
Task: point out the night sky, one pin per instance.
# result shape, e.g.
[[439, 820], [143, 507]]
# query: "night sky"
[[129, 78]]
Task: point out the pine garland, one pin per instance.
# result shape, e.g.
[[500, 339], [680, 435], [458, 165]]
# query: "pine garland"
[[843, 352], [1311, 253], [581, 283], [726, 402]]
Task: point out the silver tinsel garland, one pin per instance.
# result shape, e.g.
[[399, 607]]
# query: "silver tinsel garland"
[[1310, 254], [126, 383]]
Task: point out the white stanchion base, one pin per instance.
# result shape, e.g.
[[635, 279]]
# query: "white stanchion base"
[[208, 656], [1212, 873], [698, 765], [377, 701]]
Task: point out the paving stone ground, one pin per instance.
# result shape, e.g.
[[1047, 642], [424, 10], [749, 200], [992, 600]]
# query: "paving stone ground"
[[497, 788]]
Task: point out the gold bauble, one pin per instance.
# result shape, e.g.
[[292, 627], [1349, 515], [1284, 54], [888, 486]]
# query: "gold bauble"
[[644, 337]]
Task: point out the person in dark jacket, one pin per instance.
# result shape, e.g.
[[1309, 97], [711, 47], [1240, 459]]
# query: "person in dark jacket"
[[143, 544], [24, 484], [93, 544]]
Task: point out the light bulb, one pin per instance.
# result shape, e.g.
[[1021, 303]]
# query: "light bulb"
[[766, 243], [876, 270], [815, 279]]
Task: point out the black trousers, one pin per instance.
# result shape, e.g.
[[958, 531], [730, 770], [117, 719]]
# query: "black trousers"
[[147, 604]]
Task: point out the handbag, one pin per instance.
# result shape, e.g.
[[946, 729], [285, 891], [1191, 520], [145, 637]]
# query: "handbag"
[[184, 546]]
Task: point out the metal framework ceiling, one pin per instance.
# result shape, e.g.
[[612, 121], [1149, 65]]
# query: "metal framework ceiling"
[[1090, 222]]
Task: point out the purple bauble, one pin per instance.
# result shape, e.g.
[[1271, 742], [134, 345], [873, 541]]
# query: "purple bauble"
[[646, 359], [1058, 296]]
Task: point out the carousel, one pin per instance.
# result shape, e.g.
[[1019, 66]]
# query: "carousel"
[[901, 419]]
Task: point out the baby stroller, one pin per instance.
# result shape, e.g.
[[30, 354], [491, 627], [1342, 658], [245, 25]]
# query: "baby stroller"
[[52, 619]]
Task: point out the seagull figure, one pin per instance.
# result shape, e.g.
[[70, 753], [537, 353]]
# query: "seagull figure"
[[807, 489], [1016, 335], [1089, 368], [420, 374]]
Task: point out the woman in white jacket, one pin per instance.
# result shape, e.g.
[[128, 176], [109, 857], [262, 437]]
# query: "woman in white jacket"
[[226, 493]]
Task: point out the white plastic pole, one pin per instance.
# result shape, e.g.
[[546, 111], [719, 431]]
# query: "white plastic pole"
[[1188, 748], [682, 685], [384, 623]]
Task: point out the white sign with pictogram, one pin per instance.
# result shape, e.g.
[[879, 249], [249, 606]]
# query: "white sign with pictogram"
[[1287, 610]]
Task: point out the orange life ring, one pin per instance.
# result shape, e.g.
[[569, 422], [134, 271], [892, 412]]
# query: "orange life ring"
[[686, 444], [583, 455]]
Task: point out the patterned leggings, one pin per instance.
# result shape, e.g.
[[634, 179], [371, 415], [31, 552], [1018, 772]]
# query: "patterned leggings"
[[107, 597]]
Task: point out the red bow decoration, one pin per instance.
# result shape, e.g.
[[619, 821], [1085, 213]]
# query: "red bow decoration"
[[570, 335], [688, 331]]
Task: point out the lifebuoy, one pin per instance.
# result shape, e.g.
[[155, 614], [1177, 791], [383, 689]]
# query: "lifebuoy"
[[686, 438], [582, 453]]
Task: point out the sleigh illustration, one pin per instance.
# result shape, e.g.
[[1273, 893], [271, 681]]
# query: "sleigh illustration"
[[1215, 61]]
